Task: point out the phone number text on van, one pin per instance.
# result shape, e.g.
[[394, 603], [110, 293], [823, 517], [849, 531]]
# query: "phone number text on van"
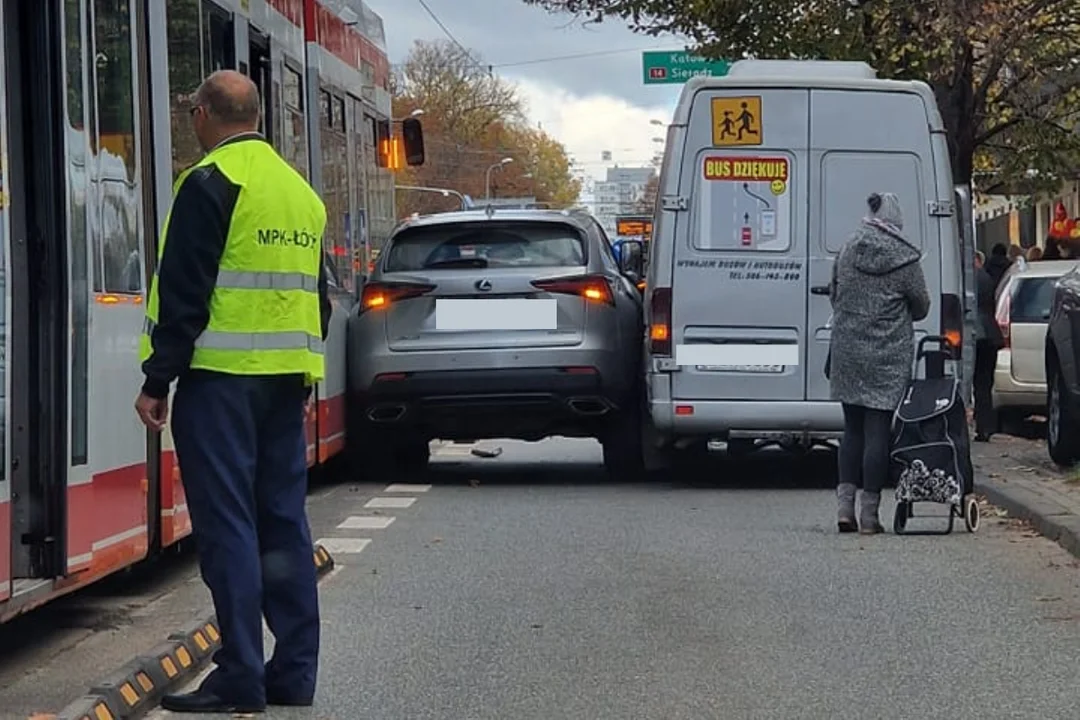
[[768, 270]]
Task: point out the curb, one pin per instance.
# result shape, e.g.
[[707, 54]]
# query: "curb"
[[1051, 520], [138, 686]]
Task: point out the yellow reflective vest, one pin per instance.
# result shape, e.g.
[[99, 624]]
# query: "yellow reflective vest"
[[264, 310]]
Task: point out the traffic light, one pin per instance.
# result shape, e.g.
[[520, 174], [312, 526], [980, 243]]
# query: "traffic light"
[[412, 135], [390, 152]]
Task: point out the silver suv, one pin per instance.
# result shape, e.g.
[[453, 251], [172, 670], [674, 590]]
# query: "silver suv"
[[497, 324]]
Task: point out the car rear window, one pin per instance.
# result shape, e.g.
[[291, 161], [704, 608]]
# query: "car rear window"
[[487, 244], [1031, 298]]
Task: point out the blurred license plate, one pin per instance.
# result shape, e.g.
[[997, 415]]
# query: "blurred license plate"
[[742, 368], [495, 314]]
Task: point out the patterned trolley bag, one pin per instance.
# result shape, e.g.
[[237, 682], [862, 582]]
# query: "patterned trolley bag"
[[931, 447]]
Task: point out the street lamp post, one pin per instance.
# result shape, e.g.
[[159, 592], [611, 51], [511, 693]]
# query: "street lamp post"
[[487, 177], [445, 192]]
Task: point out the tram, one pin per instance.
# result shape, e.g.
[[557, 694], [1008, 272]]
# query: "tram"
[[94, 129]]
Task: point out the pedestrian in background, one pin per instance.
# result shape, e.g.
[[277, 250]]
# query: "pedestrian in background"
[[1034, 254], [998, 263], [878, 291], [238, 311], [988, 341]]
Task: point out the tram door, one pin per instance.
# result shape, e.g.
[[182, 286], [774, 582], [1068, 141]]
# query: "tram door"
[[261, 75], [33, 260]]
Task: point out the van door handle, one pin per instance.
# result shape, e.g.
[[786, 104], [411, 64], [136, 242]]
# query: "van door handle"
[[820, 290]]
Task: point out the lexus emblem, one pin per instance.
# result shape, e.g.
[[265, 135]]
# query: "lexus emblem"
[[483, 285]]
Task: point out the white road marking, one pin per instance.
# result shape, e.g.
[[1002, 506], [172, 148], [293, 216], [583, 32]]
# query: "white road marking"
[[407, 488], [344, 546], [390, 502], [366, 522]]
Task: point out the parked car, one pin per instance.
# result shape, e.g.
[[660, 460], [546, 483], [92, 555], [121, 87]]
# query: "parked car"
[[1063, 370], [497, 324], [1023, 312]]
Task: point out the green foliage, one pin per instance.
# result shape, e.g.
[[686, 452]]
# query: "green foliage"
[[1006, 73]]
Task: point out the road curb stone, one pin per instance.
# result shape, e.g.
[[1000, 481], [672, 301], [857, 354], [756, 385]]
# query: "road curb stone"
[[137, 687], [1050, 519]]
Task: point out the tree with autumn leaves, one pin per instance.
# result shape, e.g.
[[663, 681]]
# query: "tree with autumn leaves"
[[472, 120], [1006, 73]]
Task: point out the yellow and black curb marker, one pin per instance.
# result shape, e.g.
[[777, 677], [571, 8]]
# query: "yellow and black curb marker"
[[137, 687]]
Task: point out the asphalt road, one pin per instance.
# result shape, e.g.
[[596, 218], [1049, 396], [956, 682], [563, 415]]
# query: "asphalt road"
[[526, 587]]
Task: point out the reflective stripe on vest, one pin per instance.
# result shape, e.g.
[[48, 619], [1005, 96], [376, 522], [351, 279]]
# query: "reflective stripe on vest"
[[218, 340], [235, 279]]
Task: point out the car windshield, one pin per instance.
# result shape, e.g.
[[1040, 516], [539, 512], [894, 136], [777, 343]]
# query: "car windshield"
[[486, 244], [1031, 298]]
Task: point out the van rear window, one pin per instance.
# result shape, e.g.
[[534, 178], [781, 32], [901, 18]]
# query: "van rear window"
[[742, 201], [485, 244]]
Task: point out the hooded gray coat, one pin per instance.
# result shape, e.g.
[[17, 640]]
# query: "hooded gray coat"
[[878, 291]]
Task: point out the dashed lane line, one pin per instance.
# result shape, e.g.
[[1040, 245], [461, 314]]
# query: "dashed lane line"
[[344, 545], [366, 522], [390, 502], [406, 488]]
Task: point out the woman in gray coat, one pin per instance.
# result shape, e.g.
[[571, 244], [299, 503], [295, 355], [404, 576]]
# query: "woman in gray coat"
[[878, 291]]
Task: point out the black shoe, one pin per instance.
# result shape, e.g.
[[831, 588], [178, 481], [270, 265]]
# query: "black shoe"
[[982, 437], [202, 701], [847, 526], [273, 698]]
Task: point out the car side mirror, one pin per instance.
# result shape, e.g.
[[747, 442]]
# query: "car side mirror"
[[632, 259]]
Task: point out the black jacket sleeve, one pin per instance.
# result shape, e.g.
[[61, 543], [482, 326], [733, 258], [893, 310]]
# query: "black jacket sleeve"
[[198, 226], [325, 308]]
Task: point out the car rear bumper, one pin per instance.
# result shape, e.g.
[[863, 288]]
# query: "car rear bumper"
[[528, 403], [1009, 392]]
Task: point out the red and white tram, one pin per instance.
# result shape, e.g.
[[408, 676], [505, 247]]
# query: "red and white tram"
[[94, 128]]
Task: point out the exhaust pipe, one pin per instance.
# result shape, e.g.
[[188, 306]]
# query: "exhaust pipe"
[[589, 406], [386, 413]]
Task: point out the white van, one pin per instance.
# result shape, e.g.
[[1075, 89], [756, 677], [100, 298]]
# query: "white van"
[[765, 177]]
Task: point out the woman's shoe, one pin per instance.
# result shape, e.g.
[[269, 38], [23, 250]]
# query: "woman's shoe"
[[845, 508], [868, 514]]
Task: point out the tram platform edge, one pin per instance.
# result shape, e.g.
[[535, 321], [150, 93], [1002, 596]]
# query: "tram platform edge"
[[136, 688]]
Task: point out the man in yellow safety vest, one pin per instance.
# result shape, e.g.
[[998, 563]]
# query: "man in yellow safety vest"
[[237, 313]]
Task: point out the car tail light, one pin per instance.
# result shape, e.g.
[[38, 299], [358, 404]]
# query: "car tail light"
[[591, 287], [660, 322], [1003, 313], [952, 323], [378, 295]]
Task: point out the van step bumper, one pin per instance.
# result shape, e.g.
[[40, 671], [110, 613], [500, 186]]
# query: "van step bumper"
[[747, 417]]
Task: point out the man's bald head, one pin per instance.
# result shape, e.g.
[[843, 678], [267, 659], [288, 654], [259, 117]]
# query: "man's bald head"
[[231, 99]]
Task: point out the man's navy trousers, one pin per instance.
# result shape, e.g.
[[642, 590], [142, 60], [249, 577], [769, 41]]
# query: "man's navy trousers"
[[242, 451]]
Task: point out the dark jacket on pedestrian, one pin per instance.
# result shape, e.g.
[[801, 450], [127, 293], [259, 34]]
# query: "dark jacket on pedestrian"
[[998, 264], [878, 291], [986, 327]]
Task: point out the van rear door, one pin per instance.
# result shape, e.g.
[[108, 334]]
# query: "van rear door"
[[863, 142], [739, 283]]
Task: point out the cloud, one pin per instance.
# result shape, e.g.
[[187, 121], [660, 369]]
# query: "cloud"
[[590, 124]]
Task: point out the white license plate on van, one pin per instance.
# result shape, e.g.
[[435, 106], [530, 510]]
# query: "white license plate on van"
[[472, 314], [742, 368]]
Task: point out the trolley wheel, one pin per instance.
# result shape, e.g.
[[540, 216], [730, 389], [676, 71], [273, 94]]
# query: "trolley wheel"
[[971, 513], [900, 517]]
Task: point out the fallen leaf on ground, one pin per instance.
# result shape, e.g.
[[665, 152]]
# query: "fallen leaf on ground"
[[1043, 598]]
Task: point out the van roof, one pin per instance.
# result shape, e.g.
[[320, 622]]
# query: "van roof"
[[803, 74]]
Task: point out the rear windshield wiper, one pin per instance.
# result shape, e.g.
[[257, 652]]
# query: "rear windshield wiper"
[[476, 262]]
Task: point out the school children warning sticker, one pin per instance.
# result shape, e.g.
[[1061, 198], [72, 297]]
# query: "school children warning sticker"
[[736, 121], [771, 170]]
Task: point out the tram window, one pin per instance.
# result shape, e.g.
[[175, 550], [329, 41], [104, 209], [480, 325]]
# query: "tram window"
[[79, 242], [324, 108], [294, 136], [117, 170], [338, 115], [185, 74], [219, 44]]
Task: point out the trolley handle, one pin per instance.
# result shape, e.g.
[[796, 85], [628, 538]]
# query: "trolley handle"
[[934, 360], [940, 340]]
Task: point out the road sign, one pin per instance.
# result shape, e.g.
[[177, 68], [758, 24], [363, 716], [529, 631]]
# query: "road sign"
[[679, 66], [736, 121]]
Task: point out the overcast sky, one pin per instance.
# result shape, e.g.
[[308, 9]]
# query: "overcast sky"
[[590, 104]]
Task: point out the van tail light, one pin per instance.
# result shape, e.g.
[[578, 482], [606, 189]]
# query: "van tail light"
[[1002, 315], [660, 322], [594, 288], [379, 295], [952, 323]]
